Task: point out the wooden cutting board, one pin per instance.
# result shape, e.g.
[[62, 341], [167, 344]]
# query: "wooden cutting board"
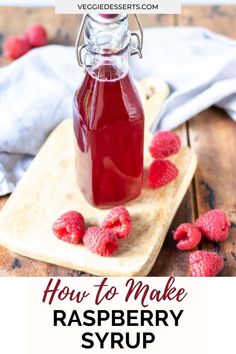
[[49, 188]]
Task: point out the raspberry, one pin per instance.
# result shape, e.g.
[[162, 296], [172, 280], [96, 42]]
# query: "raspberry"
[[119, 221], [100, 241], [205, 264], [69, 227], [161, 172], [36, 36], [214, 225], [164, 144], [15, 47], [188, 236]]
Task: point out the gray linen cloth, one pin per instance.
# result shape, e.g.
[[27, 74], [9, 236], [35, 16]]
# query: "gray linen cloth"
[[36, 91]]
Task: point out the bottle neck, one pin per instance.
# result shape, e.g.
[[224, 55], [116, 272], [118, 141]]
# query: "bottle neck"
[[107, 46], [110, 67]]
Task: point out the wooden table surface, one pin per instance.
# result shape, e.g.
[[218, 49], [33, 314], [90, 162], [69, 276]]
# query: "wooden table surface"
[[212, 135]]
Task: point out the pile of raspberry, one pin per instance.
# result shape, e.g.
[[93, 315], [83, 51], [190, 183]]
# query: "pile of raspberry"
[[102, 240], [163, 171], [15, 47], [214, 226]]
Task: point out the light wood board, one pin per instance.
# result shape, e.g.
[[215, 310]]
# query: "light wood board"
[[49, 188]]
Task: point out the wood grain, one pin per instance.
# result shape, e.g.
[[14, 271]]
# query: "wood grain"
[[212, 135], [220, 19], [215, 177]]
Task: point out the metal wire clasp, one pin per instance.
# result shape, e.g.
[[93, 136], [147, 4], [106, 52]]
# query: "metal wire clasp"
[[139, 37], [79, 48], [134, 50]]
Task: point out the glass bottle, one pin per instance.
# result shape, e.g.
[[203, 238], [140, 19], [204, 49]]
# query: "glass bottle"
[[108, 116]]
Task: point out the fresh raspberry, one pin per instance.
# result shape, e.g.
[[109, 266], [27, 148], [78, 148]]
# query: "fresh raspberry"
[[119, 221], [214, 225], [36, 36], [161, 172], [69, 227], [205, 264], [164, 144], [15, 47], [100, 241], [188, 236]]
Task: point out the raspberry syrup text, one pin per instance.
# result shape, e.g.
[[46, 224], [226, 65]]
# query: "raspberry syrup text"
[[105, 314]]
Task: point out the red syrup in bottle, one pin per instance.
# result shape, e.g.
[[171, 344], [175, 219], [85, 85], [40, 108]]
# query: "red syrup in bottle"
[[109, 132]]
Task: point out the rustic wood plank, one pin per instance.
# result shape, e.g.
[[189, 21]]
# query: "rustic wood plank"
[[215, 176], [220, 19], [212, 135]]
